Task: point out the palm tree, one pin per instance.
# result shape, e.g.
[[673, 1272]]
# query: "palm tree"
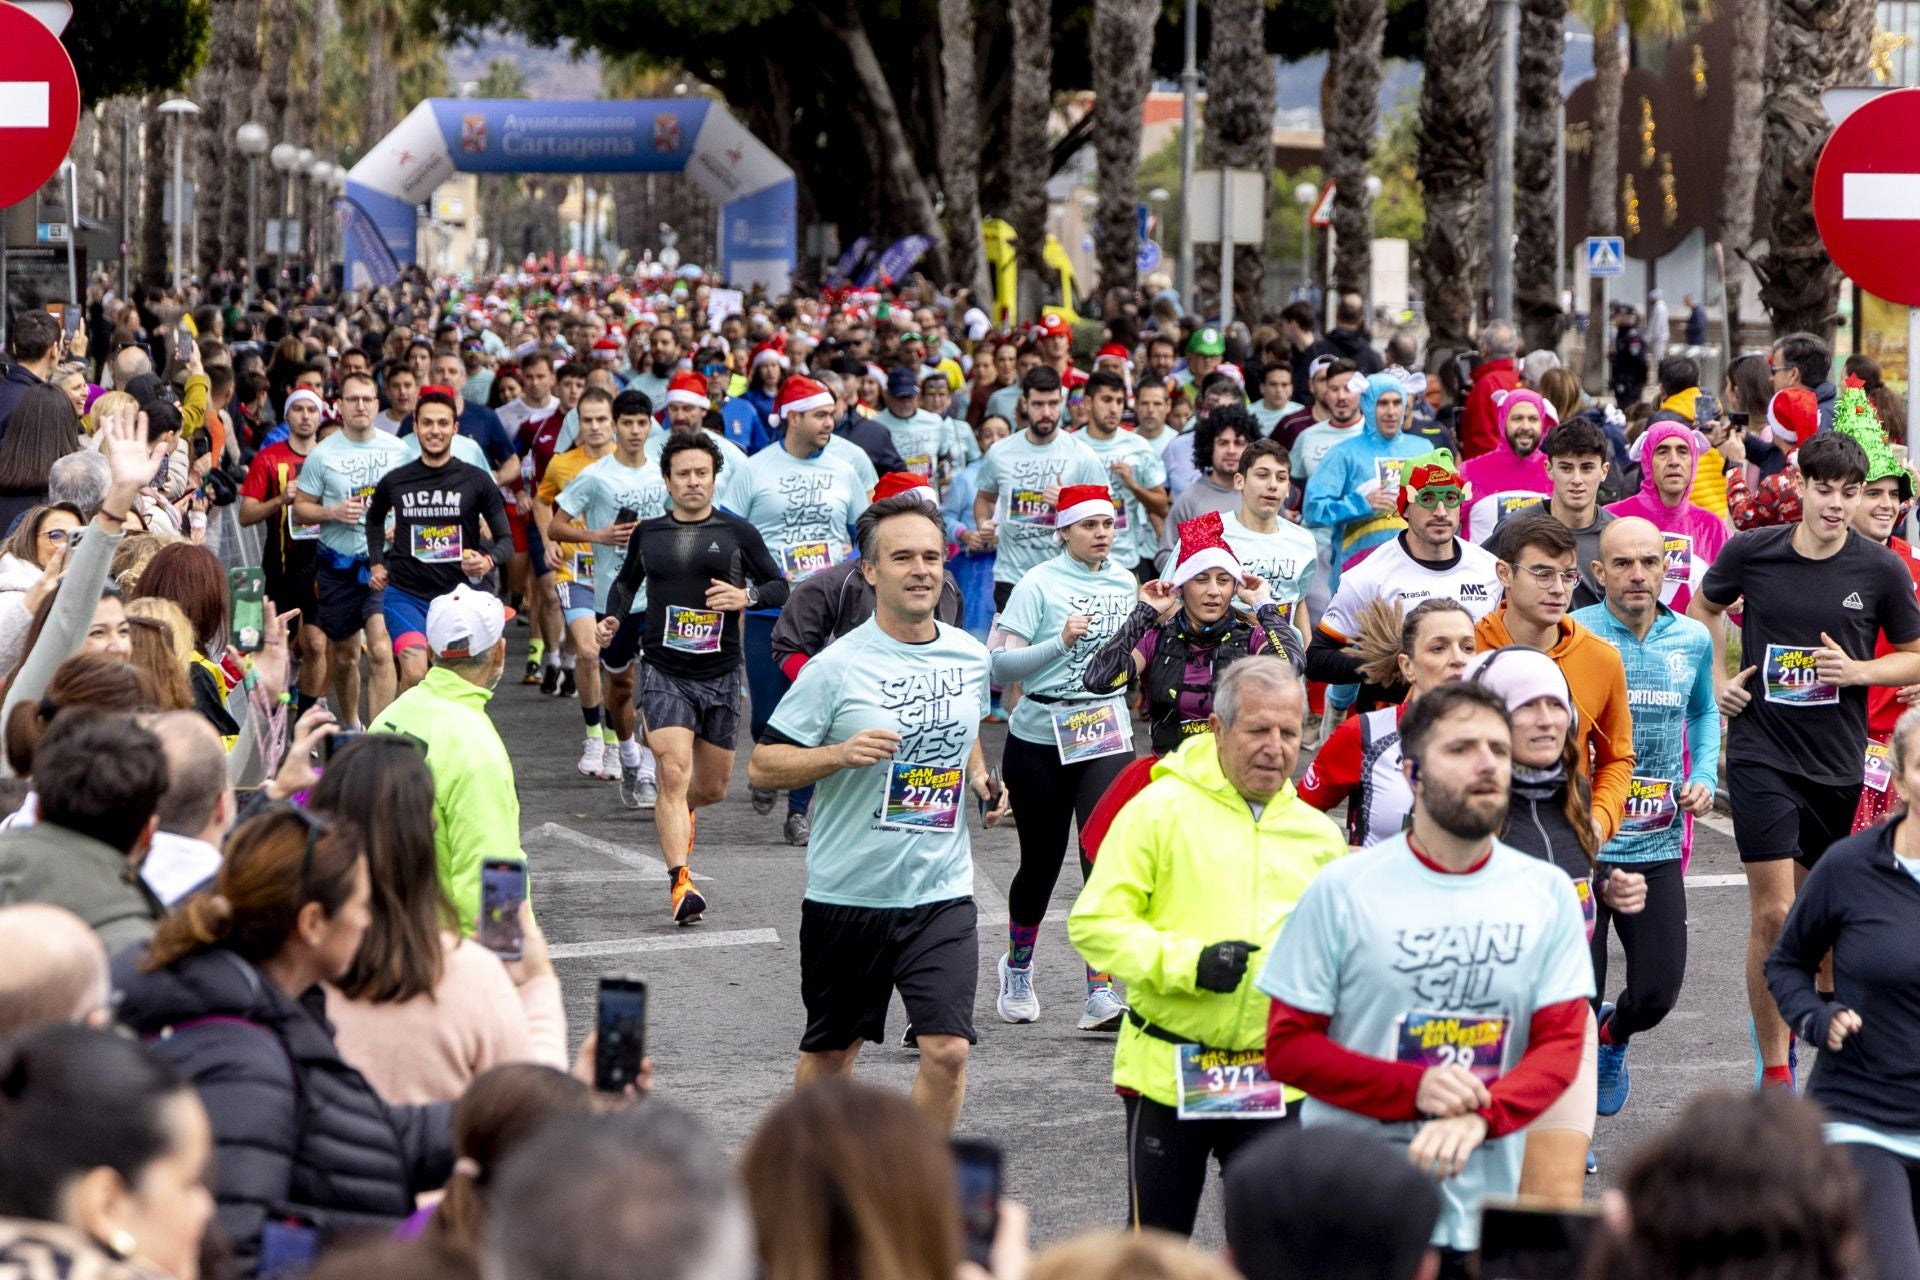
[[1239, 134], [1122, 52], [1536, 181], [1646, 20], [1456, 123], [154, 157], [960, 157], [1813, 47], [1350, 107], [1752, 20], [498, 190], [1027, 160], [243, 64]]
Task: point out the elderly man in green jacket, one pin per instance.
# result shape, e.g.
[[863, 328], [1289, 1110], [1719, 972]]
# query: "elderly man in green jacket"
[[476, 810]]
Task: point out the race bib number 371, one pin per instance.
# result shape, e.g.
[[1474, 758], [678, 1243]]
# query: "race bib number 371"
[[1226, 1084]]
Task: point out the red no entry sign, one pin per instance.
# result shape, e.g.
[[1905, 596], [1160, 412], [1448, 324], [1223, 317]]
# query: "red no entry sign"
[[1866, 196], [39, 104]]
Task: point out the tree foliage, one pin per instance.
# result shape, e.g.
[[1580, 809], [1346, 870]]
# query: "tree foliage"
[[136, 46]]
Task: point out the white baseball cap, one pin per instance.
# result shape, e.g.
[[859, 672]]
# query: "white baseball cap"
[[466, 622]]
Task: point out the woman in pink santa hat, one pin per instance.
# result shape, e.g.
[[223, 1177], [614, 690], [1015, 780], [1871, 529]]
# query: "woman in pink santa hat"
[[1514, 475], [1694, 535]]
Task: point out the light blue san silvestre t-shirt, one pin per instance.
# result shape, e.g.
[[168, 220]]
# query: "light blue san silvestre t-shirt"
[[1037, 611], [595, 496], [340, 468], [803, 508], [1133, 536], [1018, 472]]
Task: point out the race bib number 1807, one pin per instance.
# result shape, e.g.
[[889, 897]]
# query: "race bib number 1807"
[[692, 630]]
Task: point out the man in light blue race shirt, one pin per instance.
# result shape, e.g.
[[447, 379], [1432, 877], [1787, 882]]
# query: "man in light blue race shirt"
[[1263, 539], [1433, 989], [1676, 746], [886, 721], [921, 437], [332, 492], [1020, 481], [1136, 476], [803, 501], [602, 505]]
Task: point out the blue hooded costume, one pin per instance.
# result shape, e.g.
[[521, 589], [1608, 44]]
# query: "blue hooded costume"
[[1334, 499]]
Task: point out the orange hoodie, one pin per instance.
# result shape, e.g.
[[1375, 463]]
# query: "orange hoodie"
[[1599, 683]]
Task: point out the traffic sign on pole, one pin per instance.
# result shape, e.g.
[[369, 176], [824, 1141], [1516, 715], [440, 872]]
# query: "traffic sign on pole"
[[1148, 259], [1322, 215], [39, 104], [1606, 256], [1866, 197]]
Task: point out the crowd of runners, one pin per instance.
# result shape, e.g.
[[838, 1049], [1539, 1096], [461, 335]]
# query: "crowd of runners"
[[1375, 693]]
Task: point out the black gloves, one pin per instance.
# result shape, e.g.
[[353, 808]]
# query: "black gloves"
[[1223, 964]]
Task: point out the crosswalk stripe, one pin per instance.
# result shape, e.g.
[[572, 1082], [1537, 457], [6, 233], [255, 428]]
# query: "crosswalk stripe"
[[683, 941], [651, 868]]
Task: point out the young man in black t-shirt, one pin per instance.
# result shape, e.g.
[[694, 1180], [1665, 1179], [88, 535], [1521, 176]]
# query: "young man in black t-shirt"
[[438, 504], [701, 567], [1816, 597]]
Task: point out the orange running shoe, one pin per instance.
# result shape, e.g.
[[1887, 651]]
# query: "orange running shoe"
[[688, 904]]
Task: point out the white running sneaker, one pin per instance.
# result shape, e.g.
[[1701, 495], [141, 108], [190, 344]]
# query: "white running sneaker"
[[609, 762], [1103, 1010], [646, 792], [1017, 1002], [590, 754]]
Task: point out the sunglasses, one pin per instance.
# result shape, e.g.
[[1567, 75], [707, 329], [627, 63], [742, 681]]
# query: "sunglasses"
[[713, 370], [317, 827], [1431, 498]]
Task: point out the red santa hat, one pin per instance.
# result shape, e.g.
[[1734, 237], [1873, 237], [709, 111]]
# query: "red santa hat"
[[607, 348], [687, 387], [1793, 414], [798, 394], [1112, 351], [1082, 502], [1203, 546], [767, 351], [895, 483]]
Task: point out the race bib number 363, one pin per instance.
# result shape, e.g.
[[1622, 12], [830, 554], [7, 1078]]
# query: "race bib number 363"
[[921, 797], [1476, 1044], [436, 543]]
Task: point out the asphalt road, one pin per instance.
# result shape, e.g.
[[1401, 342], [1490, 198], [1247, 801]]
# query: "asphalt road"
[[725, 1016]]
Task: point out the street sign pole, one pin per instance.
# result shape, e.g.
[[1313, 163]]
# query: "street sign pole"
[[1226, 252]]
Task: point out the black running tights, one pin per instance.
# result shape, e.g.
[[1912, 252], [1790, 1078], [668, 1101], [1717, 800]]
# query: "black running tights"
[[1048, 799]]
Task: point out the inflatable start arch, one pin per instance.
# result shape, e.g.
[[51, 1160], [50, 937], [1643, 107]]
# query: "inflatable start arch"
[[694, 136]]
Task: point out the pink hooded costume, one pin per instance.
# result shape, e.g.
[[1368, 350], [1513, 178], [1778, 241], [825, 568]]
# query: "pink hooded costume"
[[1694, 534], [1500, 481]]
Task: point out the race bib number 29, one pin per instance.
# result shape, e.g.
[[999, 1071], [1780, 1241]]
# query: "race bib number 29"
[[1476, 1044]]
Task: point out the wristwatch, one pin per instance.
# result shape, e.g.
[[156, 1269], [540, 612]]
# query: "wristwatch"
[[753, 597]]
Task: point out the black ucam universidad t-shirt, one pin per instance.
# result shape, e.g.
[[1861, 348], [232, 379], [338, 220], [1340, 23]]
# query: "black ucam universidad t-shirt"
[[1794, 723]]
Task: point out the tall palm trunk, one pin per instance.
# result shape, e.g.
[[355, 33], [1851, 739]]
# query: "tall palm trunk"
[[1603, 181], [1456, 124], [1351, 108], [383, 86], [214, 160], [244, 74], [1239, 135], [900, 181], [1814, 45], [156, 172], [283, 30], [1536, 178], [1122, 52], [1027, 161], [960, 157], [1752, 20]]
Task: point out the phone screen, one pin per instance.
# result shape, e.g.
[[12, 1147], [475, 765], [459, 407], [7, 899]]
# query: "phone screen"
[[977, 1168], [1520, 1243], [70, 320], [503, 887], [621, 1033], [288, 1246], [247, 588]]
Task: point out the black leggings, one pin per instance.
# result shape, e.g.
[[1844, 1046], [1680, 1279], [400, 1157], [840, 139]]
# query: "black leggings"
[[1890, 1206], [1048, 798], [1655, 941], [1167, 1159]]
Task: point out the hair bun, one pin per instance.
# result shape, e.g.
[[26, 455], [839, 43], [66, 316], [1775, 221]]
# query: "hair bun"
[[210, 915]]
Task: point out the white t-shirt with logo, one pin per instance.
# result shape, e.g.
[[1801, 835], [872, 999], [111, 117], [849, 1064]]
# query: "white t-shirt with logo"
[[1391, 575]]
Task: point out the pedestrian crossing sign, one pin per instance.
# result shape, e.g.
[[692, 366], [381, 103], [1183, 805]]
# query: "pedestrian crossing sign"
[[1606, 255]]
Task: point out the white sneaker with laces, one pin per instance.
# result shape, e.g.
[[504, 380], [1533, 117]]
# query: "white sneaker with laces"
[[589, 765], [1017, 1001], [609, 762], [1103, 1010]]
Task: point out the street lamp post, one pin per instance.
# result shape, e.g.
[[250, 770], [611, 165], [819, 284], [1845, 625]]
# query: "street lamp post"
[[1304, 195], [180, 109], [1189, 90], [322, 176], [251, 138], [303, 192], [1373, 185], [1506, 35], [283, 157]]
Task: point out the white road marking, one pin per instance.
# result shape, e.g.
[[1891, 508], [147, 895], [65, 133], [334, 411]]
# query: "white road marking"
[[1715, 882], [1718, 821], [25, 104], [1889, 197], [651, 868], [682, 941]]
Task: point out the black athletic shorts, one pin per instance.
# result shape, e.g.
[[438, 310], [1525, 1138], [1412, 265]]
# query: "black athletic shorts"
[[711, 708], [1781, 815], [296, 591], [619, 653], [345, 602], [852, 959]]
